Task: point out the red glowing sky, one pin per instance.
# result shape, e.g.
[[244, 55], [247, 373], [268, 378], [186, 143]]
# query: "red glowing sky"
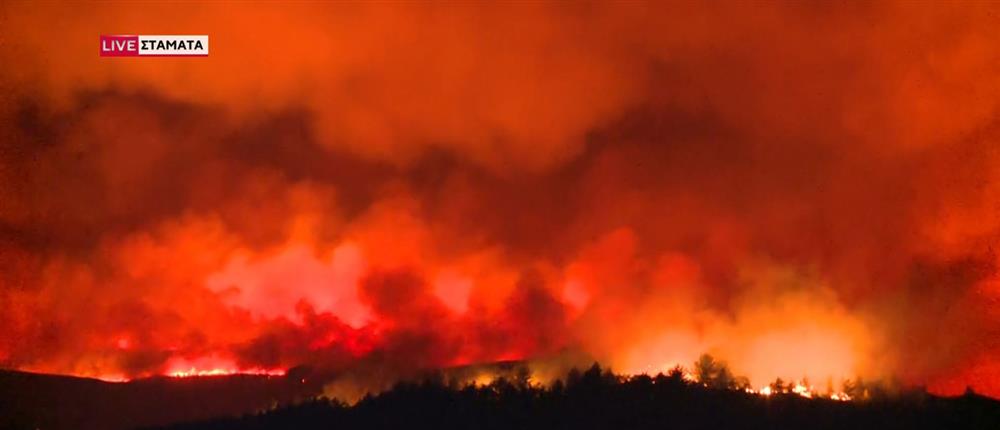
[[800, 189]]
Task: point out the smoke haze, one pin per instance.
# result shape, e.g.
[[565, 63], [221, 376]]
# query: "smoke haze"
[[799, 189]]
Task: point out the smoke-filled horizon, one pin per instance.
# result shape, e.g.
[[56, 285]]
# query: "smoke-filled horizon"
[[802, 190]]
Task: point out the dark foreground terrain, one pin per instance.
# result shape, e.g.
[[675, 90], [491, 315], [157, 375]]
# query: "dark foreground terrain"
[[35, 401], [587, 400], [600, 400]]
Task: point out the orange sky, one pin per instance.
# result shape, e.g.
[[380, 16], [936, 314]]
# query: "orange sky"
[[800, 189]]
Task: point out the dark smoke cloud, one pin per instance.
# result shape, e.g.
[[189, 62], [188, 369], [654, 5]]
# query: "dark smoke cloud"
[[803, 189]]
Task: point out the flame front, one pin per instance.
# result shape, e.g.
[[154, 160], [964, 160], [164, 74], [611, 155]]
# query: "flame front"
[[805, 192]]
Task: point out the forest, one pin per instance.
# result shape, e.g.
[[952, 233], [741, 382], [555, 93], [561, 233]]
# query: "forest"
[[599, 399]]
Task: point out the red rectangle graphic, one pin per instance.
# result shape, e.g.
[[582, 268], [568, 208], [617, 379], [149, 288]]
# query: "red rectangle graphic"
[[119, 46]]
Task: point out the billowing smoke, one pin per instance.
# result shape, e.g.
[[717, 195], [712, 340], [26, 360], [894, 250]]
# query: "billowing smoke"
[[799, 189]]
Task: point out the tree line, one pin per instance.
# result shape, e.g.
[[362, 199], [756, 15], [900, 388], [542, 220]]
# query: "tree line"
[[597, 398]]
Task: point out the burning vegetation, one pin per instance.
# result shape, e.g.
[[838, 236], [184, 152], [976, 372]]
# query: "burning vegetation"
[[807, 192], [511, 397], [511, 394]]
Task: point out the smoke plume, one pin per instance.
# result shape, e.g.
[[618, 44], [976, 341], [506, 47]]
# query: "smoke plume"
[[799, 189]]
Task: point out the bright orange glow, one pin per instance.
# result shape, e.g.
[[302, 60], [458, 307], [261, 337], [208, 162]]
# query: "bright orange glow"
[[214, 366], [416, 186], [123, 343], [192, 372], [802, 390]]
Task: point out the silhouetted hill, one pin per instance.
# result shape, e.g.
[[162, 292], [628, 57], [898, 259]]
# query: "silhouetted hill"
[[30, 400], [596, 400], [593, 399]]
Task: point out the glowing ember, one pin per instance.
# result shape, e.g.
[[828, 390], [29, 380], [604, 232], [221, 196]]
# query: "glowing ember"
[[802, 390], [214, 366], [840, 396], [217, 372]]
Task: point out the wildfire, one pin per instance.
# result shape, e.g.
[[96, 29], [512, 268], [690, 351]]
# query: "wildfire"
[[194, 372], [113, 378], [483, 379], [840, 396], [800, 388], [215, 366]]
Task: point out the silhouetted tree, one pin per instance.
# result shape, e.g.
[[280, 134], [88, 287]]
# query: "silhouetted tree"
[[522, 376], [705, 369], [724, 379], [676, 375], [598, 399], [856, 389], [741, 383], [713, 374], [596, 377], [779, 386]]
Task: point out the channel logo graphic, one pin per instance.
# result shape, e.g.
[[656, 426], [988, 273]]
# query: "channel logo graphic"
[[154, 45]]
